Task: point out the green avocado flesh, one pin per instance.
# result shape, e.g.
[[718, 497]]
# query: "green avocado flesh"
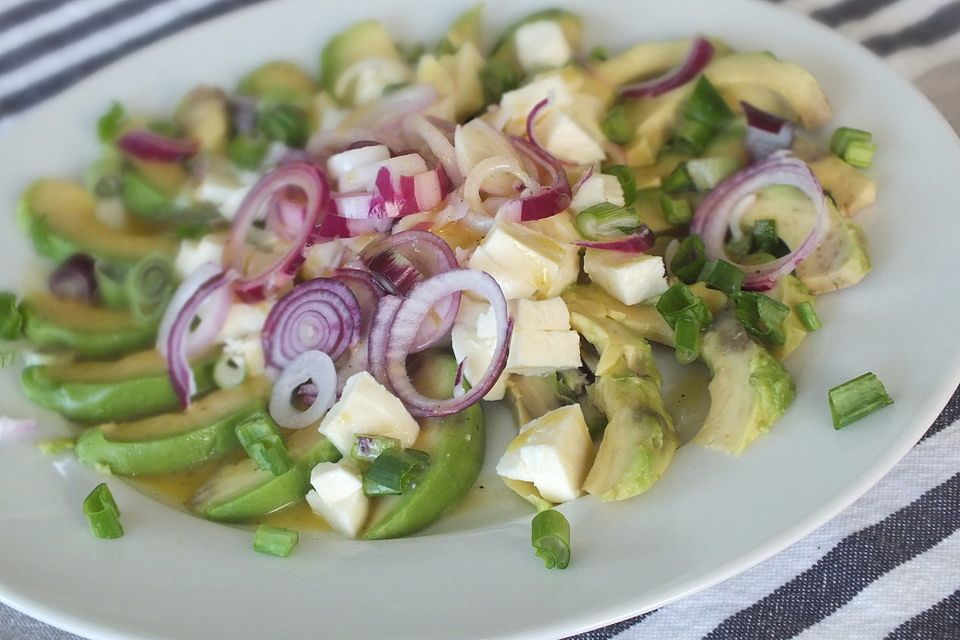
[[59, 217], [134, 386], [90, 332], [456, 446], [241, 491], [174, 441]]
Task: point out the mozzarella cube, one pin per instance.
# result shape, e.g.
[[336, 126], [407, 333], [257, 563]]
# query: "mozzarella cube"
[[367, 407], [542, 45], [249, 351], [536, 353], [368, 78], [566, 138], [554, 452], [340, 163], [194, 253], [598, 188], [630, 278], [541, 315], [526, 263], [338, 497], [324, 258], [560, 227], [225, 188], [364, 177], [475, 351], [244, 320], [518, 103]]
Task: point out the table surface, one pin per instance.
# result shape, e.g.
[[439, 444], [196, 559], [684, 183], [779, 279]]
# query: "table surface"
[[942, 85]]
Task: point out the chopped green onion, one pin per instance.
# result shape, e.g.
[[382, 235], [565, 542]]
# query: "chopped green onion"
[[689, 260], [108, 186], [102, 513], [57, 445], [284, 123], [617, 126], [248, 151], [857, 398], [686, 340], [11, 320], [765, 238], [550, 535], [148, 287], [707, 173], [606, 219], [110, 283], [680, 302], [192, 230], [108, 126], [843, 136], [722, 276], [368, 448], [808, 316], [678, 180], [260, 438], [143, 198], [675, 211], [599, 54], [694, 135], [7, 356], [163, 127], [498, 77], [761, 316], [859, 153], [394, 472], [275, 541], [229, 372], [628, 182], [740, 248], [707, 106]]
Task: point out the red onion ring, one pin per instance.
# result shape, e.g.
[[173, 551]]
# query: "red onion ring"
[[550, 199], [334, 226], [634, 243], [531, 121], [366, 289], [313, 367], [766, 133], [379, 336], [204, 295], [711, 219], [406, 325], [406, 259], [701, 52], [321, 314], [147, 145], [274, 187]]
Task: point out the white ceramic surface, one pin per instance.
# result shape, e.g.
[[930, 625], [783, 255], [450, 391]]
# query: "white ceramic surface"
[[174, 576]]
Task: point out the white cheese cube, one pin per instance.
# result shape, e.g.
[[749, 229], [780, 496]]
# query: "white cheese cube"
[[249, 351], [244, 320], [473, 350], [366, 407], [367, 79], [566, 138], [541, 315], [194, 253], [536, 353], [338, 496], [554, 452], [600, 187], [560, 227], [518, 103], [340, 163], [525, 262], [364, 177], [324, 258], [225, 188], [630, 278], [542, 45]]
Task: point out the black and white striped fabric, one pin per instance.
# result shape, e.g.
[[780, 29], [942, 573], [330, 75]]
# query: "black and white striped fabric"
[[886, 568]]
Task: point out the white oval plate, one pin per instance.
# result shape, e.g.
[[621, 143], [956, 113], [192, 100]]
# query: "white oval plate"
[[175, 576]]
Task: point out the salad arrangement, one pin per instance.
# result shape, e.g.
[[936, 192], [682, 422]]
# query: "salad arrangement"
[[309, 288]]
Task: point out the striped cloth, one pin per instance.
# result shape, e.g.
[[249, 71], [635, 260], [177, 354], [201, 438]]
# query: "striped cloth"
[[888, 567]]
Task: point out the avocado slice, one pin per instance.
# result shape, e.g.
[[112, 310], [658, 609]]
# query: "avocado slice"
[[791, 292], [648, 60], [841, 260], [639, 441], [749, 388], [533, 396], [467, 28], [134, 386], [280, 80], [91, 332], [59, 217], [174, 441], [362, 41], [204, 115], [456, 446], [850, 188], [241, 491]]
